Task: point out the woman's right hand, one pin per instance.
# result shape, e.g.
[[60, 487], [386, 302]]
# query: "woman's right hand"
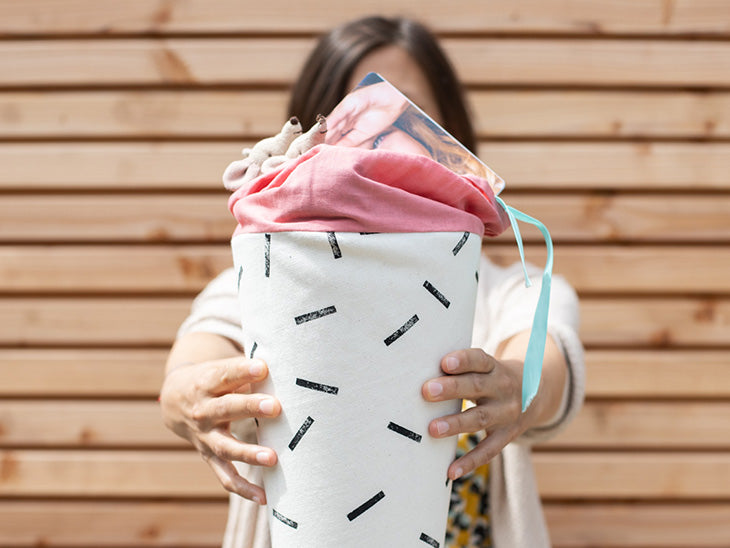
[[200, 400]]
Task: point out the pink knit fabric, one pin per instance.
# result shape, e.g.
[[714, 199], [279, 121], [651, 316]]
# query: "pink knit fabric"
[[345, 189]]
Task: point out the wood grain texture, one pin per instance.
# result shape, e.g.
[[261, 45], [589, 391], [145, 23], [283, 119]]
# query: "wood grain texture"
[[254, 113], [163, 269], [636, 322], [588, 17], [478, 61], [147, 166], [589, 218], [645, 375], [612, 425], [183, 474], [92, 524]]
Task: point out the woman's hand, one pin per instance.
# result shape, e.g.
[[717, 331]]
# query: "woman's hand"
[[495, 387], [200, 400]]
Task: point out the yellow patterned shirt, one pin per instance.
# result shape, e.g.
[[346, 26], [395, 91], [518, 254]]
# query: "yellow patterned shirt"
[[468, 524]]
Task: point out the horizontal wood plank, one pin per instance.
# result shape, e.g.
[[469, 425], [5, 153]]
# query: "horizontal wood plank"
[[137, 373], [161, 269], [83, 373], [648, 425], [96, 524], [478, 61], [658, 374], [624, 425], [253, 114], [533, 165], [183, 474], [620, 321], [638, 525], [575, 217], [200, 524], [589, 17]]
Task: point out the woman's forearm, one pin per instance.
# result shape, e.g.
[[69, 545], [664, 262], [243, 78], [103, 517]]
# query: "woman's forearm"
[[547, 402]]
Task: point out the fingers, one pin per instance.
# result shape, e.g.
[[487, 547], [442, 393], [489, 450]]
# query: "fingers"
[[471, 360], [229, 407], [472, 375], [229, 477], [227, 375], [224, 446], [484, 452]]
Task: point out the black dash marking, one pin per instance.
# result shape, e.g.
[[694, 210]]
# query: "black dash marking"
[[368, 233], [334, 245], [364, 507], [240, 273], [476, 275], [254, 346], [314, 315], [436, 293], [401, 330], [267, 255], [286, 521], [461, 243], [256, 421], [430, 541], [317, 386], [397, 428], [447, 481], [302, 430]]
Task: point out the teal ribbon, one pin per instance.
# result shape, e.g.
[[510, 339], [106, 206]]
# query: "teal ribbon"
[[532, 368]]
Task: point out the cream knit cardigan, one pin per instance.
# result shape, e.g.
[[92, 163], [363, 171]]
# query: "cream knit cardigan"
[[504, 308]]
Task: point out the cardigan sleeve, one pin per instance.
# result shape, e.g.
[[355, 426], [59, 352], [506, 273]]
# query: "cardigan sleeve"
[[505, 307], [215, 310]]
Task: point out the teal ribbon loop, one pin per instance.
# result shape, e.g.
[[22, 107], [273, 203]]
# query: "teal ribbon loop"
[[532, 368]]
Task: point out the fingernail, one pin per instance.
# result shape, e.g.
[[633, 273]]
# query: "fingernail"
[[434, 389], [257, 500], [451, 364], [442, 427], [266, 406], [458, 473], [262, 457], [256, 368]]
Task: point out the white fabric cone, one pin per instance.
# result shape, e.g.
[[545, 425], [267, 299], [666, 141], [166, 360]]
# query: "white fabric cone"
[[351, 326]]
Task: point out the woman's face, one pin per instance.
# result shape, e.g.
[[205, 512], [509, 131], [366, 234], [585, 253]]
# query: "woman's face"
[[398, 67]]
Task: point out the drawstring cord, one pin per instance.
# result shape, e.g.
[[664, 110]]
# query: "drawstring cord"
[[532, 368]]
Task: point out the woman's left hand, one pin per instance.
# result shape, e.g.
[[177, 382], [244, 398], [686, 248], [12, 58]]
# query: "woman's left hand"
[[495, 386]]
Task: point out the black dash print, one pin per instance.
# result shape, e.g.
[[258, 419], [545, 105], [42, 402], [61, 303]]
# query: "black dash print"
[[254, 346], [368, 233], [430, 541], [476, 275], [256, 421], [308, 317], [267, 255], [401, 330], [240, 273], [317, 386], [334, 245], [364, 507], [436, 293], [461, 243], [397, 428], [291, 523], [302, 430]]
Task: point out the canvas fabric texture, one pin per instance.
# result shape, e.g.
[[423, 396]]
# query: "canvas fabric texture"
[[352, 325]]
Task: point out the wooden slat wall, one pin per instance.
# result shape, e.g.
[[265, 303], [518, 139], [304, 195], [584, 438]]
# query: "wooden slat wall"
[[609, 120]]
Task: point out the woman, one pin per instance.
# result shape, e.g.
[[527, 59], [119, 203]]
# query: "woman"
[[208, 377]]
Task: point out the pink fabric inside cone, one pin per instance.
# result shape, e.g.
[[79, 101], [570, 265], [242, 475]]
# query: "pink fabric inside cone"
[[345, 189]]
